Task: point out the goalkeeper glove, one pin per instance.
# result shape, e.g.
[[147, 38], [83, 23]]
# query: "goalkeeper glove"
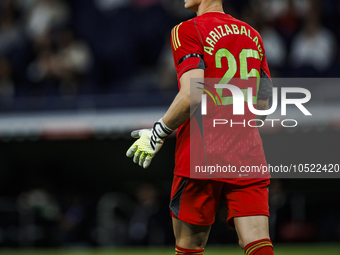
[[149, 143]]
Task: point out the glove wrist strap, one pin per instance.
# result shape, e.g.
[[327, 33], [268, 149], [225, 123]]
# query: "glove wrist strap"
[[160, 130]]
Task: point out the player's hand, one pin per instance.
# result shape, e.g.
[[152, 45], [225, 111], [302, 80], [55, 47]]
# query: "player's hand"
[[148, 144]]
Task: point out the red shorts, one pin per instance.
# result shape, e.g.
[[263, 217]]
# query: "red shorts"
[[196, 201]]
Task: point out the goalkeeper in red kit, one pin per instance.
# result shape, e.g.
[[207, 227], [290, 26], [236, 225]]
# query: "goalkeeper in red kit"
[[214, 45]]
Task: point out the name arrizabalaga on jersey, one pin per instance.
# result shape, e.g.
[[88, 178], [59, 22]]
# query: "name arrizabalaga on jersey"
[[221, 31]]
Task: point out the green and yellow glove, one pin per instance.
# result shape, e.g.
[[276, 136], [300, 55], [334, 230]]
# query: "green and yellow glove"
[[149, 143]]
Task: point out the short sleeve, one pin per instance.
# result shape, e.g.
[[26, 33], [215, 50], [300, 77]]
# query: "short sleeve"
[[187, 47]]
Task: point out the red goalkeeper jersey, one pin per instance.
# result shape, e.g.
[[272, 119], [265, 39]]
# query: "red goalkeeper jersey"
[[232, 52]]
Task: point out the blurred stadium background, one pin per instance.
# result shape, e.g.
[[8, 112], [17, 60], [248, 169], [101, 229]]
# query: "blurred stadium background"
[[77, 76]]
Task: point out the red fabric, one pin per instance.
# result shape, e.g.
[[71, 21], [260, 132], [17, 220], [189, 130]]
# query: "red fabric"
[[186, 39], [182, 251], [200, 199], [259, 247], [236, 146]]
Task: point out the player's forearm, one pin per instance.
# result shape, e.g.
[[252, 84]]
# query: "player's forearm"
[[186, 100], [262, 105], [179, 111], [261, 117]]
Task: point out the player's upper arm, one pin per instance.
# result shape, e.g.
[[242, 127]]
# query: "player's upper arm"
[[266, 85], [263, 104], [193, 75], [187, 47]]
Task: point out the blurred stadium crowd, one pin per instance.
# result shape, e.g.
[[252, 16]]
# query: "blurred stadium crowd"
[[42, 217], [86, 47]]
